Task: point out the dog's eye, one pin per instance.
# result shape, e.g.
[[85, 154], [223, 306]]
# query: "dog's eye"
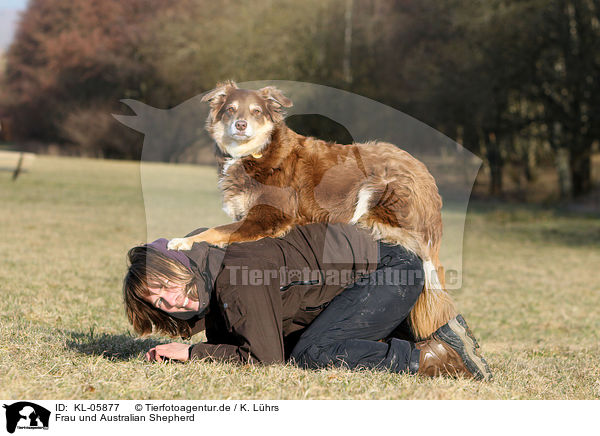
[[256, 111], [230, 110]]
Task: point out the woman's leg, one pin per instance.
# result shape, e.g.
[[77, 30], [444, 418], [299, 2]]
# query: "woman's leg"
[[348, 331]]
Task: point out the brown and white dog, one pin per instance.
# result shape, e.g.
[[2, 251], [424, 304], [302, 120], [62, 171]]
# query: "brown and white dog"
[[273, 179]]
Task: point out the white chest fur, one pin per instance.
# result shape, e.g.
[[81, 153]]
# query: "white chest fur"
[[236, 201]]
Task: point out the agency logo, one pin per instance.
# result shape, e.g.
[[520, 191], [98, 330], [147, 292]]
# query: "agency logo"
[[26, 415]]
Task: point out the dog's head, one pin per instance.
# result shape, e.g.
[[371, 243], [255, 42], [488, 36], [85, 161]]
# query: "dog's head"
[[241, 120]]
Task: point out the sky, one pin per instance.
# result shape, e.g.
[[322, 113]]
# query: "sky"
[[9, 14]]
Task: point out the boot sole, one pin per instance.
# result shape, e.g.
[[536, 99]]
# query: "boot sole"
[[466, 346]]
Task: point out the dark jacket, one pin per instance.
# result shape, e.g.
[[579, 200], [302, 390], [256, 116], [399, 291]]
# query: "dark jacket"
[[266, 292]]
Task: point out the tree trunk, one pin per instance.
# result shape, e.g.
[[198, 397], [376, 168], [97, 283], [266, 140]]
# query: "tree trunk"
[[347, 66], [496, 163], [563, 168], [581, 173], [531, 164]]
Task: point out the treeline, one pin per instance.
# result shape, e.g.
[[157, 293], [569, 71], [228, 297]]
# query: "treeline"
[[516, 82]]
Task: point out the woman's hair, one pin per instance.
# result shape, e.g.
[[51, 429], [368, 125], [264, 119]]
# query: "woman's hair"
[[147, 265]]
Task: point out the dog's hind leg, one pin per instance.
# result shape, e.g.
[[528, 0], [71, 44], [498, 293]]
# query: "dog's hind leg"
[[393, 217], [435, 306]]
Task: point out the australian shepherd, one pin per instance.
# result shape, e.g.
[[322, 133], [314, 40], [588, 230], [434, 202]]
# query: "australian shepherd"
[[273, 179]]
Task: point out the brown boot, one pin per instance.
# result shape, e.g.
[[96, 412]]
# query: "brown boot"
[[452, 350]]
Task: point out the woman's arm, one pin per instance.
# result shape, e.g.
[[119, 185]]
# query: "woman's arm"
[[185, 352], [252, 315], [174, 351]]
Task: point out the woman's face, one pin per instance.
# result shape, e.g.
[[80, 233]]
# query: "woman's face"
[[170, 297]]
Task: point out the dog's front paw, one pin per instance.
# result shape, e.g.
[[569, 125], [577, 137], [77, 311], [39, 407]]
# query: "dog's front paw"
[[180, 244]]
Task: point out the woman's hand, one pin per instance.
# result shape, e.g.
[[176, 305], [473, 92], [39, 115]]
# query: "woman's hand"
[[174, 351]]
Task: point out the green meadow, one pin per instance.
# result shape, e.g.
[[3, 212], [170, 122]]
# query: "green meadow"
[[530, 291]]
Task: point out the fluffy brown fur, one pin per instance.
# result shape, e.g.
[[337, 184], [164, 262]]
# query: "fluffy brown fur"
[[277, 179]]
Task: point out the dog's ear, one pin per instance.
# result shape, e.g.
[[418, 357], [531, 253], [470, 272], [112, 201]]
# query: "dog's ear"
[[276, 102], [275, 96], [216, 97]]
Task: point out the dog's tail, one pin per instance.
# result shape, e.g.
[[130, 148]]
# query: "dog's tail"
[[434, 307]]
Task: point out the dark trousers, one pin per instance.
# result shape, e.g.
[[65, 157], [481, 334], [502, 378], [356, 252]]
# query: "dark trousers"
[[348, 331]]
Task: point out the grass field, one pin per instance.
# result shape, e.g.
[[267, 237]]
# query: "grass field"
[[531, 292]]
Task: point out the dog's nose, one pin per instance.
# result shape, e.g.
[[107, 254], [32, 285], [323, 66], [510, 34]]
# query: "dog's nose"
[[241, 125]]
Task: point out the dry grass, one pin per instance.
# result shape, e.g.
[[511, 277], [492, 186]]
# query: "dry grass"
[[531, 292]]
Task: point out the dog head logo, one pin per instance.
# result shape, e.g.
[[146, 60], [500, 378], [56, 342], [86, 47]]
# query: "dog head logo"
[[26, 415], [243, 119]]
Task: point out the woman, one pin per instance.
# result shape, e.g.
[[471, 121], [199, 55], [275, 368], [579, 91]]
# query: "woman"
[[321, 295]]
